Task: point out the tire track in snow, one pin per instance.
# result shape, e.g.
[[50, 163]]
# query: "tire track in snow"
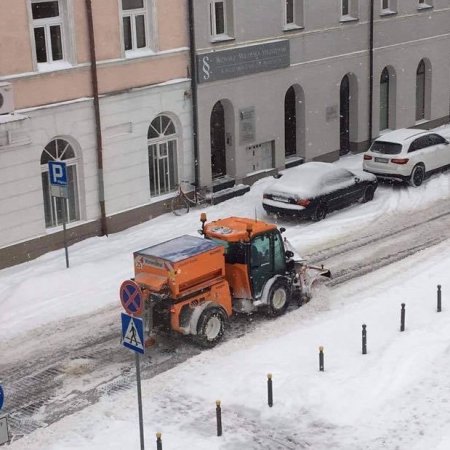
[[37, 392]]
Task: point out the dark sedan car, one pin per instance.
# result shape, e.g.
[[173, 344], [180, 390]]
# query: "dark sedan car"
[[313, 189]]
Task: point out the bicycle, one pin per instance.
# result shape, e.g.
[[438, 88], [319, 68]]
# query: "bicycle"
[[182, 201]]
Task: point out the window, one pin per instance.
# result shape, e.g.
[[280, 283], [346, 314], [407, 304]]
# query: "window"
[[162, 156], [420, 91], [388, 6], [424, 4], [48, 31], [349, 9], [384, 99], [56, 208], [293, 14], [221, 19], [134, 24]]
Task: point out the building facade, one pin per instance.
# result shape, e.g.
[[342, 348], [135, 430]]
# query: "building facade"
[[285, 81], [105, 86], [122, 125]]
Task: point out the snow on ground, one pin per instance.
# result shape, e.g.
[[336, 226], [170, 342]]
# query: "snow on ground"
[[43, 290], [396, 397]]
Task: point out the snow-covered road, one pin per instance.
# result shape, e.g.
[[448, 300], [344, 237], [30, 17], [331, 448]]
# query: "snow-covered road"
[[60, 328]]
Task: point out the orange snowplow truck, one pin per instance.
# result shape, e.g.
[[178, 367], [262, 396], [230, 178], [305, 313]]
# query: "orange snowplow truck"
[[193, 285]]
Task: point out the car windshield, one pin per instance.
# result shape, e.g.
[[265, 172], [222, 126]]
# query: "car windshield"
[[387, 148]]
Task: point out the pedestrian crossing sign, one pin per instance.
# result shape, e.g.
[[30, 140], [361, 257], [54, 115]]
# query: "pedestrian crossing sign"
[[133, 333]]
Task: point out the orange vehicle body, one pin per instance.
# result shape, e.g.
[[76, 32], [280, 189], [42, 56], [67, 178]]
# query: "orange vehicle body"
[[191, 285]]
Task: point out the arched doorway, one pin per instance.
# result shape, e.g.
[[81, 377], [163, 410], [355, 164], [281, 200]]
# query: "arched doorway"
[[384, 99], [294, 122], [420, 91], [344, 116], [218, 142], [290, 123]]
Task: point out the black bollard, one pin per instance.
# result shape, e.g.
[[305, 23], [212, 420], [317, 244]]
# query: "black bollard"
[[219, 418], [402, 318], [439, 306], [158, 442], [269, 390], [321, 362], [364, 340]]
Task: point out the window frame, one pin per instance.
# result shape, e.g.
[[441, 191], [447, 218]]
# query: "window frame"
[[65, 22], [297, 15], [424, 4], [228, 21], [352, 10], [390, 9], [147, 11], [70, 203], [154, 145]]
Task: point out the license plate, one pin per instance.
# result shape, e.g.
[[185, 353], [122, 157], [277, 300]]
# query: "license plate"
[[382, 160]]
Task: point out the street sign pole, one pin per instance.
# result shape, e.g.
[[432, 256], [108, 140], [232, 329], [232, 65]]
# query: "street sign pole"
[[133, 339], [138, 379], [66, 250], [57, 172]]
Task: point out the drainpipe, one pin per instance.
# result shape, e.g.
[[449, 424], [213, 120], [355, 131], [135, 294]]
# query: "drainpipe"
[[370, 71], [193, 89], [98, 127]]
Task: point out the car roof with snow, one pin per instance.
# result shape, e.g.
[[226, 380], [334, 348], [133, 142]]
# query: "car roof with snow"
[[401, 135], [306, 179]]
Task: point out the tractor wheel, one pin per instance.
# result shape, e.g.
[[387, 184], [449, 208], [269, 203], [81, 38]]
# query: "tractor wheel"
[[210, 327], [279, 297]]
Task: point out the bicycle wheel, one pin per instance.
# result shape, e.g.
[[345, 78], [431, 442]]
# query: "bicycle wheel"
[[180, 205]]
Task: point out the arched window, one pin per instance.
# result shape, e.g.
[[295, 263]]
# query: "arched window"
[[420, 91], [58, 209], [162, 155], [384, 99]]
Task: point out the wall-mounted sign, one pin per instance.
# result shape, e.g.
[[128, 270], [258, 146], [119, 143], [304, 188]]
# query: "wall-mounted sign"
[[331, 113], [240, 61], [247, 125]]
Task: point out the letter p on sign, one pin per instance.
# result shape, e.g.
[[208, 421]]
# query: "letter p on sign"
[[58, 173]]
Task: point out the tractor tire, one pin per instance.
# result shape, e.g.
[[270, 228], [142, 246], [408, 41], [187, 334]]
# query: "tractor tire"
[[279, 298], [211, 327]]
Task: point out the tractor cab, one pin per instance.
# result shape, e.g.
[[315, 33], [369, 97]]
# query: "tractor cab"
[[254, 253]]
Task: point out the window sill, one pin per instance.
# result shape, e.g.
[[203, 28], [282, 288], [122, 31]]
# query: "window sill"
[[422, 6], [421, 121], [293, 27], [54, 66], [221, 38], [130, 54], [388, 12], [345, 19]]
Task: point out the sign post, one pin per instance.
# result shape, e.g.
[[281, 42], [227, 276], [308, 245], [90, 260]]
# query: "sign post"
[[57, 171], [133, 335]]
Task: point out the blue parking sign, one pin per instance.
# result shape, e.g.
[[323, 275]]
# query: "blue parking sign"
[[57, 171], [2, 397]]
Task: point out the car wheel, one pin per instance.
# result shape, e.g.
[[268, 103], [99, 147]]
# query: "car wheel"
[[369, 193], [319, 213], [279, 297], [211, 327], [417, 176]]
